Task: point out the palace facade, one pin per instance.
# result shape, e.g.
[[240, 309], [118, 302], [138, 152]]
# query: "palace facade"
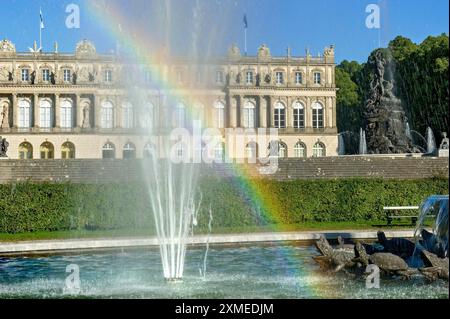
[[91, 106]]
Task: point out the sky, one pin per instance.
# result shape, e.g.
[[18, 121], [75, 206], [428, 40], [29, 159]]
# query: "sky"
[[298, 24]]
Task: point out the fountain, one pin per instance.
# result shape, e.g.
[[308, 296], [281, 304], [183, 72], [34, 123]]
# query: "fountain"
[[431, 142], [362, 142], [385, 118]]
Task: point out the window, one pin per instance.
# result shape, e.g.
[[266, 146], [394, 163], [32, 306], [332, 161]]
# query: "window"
[[298, 78], [25, 75], [179, 76], [107, 117], [317, 78], [147, 119], [198, 77], [148, 77], [318, 150], [67, 75], [108, 76], [68, 150], [317, 115], [249, 77], [47, 150], [277, 149], [280, 78], [45, 114], [180, 115], [129, 151], [46, 75], [219, 77], [149, 151], [25, 151], [251, 152], [66, 114], [280, 115], [109, 150], [299, 115], [127, 115], [24, 113], [220, 114], [249, 115], [300, 150]]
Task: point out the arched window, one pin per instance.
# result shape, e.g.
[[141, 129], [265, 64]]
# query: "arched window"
[[277, 149], [68, 150], [249, 115], [109, 150], [24, 113], [220, 114], [45, 113], [129, 151], [251, 152], [25, 151], [127, 115], [149, 151], [47, 150], [280, 115], [319, 150], [180, 115], [66, 113], [147, 120], [299, 115], [300, 150], [317, 115], [107, 119], [198, 112]]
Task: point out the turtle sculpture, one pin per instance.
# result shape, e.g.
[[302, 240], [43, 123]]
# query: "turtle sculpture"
[[387, 262], [435, 267], [398, 246], [339, 258]]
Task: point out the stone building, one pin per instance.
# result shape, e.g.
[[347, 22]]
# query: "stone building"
[[90, 105]]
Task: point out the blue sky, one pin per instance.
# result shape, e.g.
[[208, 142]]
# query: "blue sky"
[[278, 23]]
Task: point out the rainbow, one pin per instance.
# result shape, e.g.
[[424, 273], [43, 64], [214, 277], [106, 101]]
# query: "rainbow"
[[138, 50]]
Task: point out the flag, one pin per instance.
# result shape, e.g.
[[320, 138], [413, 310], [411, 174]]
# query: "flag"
[[245, 22], [42, 19]]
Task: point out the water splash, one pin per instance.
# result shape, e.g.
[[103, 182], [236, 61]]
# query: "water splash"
[[362, 142], [434, 206], [205, 258], [431, 141], [341, 145]]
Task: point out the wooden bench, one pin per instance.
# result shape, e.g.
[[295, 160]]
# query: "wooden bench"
[[390, 217]]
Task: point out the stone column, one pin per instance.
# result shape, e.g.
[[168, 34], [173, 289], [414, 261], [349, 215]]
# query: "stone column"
[[36, 114], [333, 109], [289, 113], [262, 112], [269, 112], [118, 112], [97, 112], [79, 112], [57, 111], [308, 113], [233, 112], [15, 111]]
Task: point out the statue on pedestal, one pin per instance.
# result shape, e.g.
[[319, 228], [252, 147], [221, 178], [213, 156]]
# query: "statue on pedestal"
[[86, 117], [3, 147]]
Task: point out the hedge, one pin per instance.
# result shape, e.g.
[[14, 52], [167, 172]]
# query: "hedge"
[[29, 207]]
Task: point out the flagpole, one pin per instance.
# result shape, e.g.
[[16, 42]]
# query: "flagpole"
[[245, 36], [40, 29]]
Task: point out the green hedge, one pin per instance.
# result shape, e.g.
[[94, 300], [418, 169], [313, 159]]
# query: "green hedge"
[[28, 207]]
